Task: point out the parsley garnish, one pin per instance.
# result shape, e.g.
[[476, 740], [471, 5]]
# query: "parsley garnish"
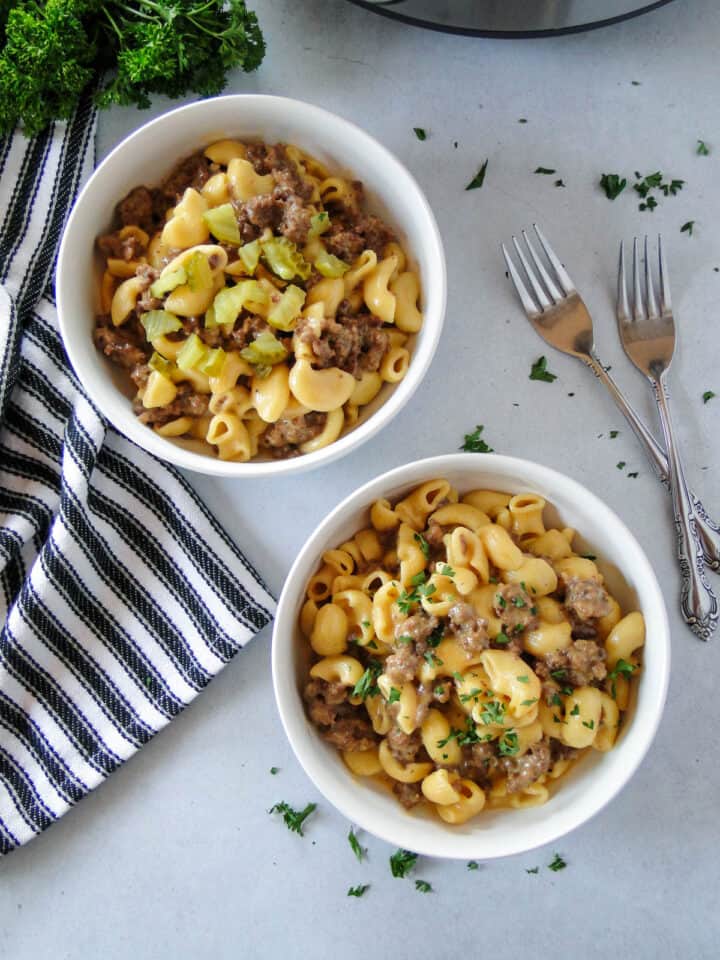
[[557, 864], [294, 819], [688, 227], [539, 371], [479, 178], [556, 719], [590, 724], [473, 443], [500, 601], [492, 712], [648, 204], [472, 865], [502, 638], [420, 133], [518, 602], [431, 659], [439, 691], [634, 475], [529, 703], [533, 870], [708, 395], [366, 686], [575, 710], [424, 545], [558, 674], [473, 695], [355, 845], [402, 862], [559, 183], [620, 464], [546, 170], [436, 636], [703, 150], [555, 700], [523, 679], [614, 433], [394, 695], [423, 886], [508, 744], [622, 667], [274, 770], [359, 890], [447, 571], [405, 639], [612, 184]]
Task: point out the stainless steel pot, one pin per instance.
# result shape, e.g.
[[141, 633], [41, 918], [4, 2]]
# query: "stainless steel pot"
[[510, 18]]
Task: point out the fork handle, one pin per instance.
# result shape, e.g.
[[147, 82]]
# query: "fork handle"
[[708, 531], [697, 601]]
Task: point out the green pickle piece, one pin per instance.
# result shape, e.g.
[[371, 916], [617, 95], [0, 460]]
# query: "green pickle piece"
[[192, 354], [286, 311], [158, 363], [168, 281], [229, 302], [319, 223], [249, 255], [199, 274], [284, 258], [264, 351], [159, 322], [213, 363], [222, 223], [330, 266]]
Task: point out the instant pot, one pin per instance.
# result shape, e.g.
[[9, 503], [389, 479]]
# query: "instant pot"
[[510, 18]]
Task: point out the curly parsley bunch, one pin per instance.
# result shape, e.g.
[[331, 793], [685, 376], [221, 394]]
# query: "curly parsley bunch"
[[53, 50]]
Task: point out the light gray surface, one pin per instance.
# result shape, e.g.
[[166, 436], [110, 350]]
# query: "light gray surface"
[[176, 854]]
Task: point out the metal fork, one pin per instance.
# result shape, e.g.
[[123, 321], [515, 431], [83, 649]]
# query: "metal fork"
[[557, 312], [648, 337]]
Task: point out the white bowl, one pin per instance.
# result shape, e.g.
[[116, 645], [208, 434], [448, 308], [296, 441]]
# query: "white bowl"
[[594, 781], [146, 157]]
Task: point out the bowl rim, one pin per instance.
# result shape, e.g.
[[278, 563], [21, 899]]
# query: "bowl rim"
[[295, 724], [428, 237]]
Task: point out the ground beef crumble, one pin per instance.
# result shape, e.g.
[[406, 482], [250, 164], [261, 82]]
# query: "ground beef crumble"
[[470, 630], [514, 606], [284, 437], [355, 344], [583, 663], [342, 724]]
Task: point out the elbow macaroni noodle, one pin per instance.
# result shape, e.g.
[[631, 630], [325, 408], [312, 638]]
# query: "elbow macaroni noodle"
[[457, 647]]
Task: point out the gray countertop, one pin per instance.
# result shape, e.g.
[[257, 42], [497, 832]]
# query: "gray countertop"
[[176, 854]]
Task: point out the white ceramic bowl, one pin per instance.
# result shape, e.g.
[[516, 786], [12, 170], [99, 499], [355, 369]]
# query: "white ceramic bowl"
[[594, 781], [146, 157]]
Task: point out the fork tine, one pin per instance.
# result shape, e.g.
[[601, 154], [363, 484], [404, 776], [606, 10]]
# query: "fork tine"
[[665, 301], [623, 306], [649, 291], [540, 294], [638, 310], [564, 280], [531, 308], [550, 286]]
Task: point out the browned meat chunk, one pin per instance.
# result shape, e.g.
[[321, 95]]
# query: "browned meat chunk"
[[419, 627], [122, 248], [352, 733], [352, 343], [514, 606], [409, 794], [283, 438], [404, 746], [282, 211], [411, 637], [524, 770], [582, 663], [479, 762], [187, 403], [244, 333], [470, 630], [146, 301], [295, 222], [125, 345], [434, 535], [323, 700], [559, 751], [348, 238], [441, 691], [586, 599], [345, 244], [137, 208], [401, 665], [193, 172], [264, 211]]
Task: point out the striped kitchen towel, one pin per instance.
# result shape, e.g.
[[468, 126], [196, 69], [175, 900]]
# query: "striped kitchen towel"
[[121, 595]]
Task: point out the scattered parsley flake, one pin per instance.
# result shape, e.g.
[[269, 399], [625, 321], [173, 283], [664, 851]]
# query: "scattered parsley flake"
[[634, 475], [522, 120], [420, 133], [523, 679], [473, 865], [509, 744], [366, 685], [545, 170], [688, 227], [473, 442], [294, 819], [590, 724], [355, 845], [555, 700], [648, 204], [614, 434], [559, 183], [479, 178], [636, 83], [274, 770], [708, 395], [529, 703], [402, 862], [558, 674], [539, 371], [446, 570], [575, 710], [492, 712], [557, 863], [359, 890], [613, 184], [533, 870], [502, 638], [703, 150], [424, 545], [423, 886], [620, 464], [394, 695]]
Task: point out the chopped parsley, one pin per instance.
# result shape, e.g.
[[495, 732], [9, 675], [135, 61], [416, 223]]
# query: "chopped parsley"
[[556, 719], [558, 674], [419, 589], [423, 886], [431, 660], [294, 819], [447, 571], [500, 601], [436, 636], [493, 712], [620, 464], [394, 695], [420, 133], [424, 545], [479, 179], [359, 890], [405, 639], [518, 602], [529, 703], [539, 371], [473, 695], [575, 710], [274, 770], [703, 150], [402, 862], [439, 691], [522, 120], [523, 679], [555, 700], [688, 227], [508, 744], [473, 865], [502, 638], [634, 475], [548, 171], [532, 870], [473, 442], [366, 685], [614, 434], [621, 668], [613, 184], [708, 395], [559, 183], [648, 204], [557, 863], [590, 724], [355, 845]]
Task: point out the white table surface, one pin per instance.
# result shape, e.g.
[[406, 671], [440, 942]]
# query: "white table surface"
[[176, 854]]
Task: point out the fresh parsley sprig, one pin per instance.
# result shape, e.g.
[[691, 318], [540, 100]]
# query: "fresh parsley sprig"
[[402, 862], [473, 442], [294, 819]]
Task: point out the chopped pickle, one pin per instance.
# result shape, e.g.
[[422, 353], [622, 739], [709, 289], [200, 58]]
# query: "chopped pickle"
[[286, 311], [168, 282], [192, 354], [199, 274], [249, 254], [330, 266], [213, 362], [159, 322], [284, 258], [319, 223], [264, 351], [160, 364], [222, 223], [229, 302]]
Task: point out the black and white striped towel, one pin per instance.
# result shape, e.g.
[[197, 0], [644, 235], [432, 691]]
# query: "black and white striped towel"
[[121, 595]]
